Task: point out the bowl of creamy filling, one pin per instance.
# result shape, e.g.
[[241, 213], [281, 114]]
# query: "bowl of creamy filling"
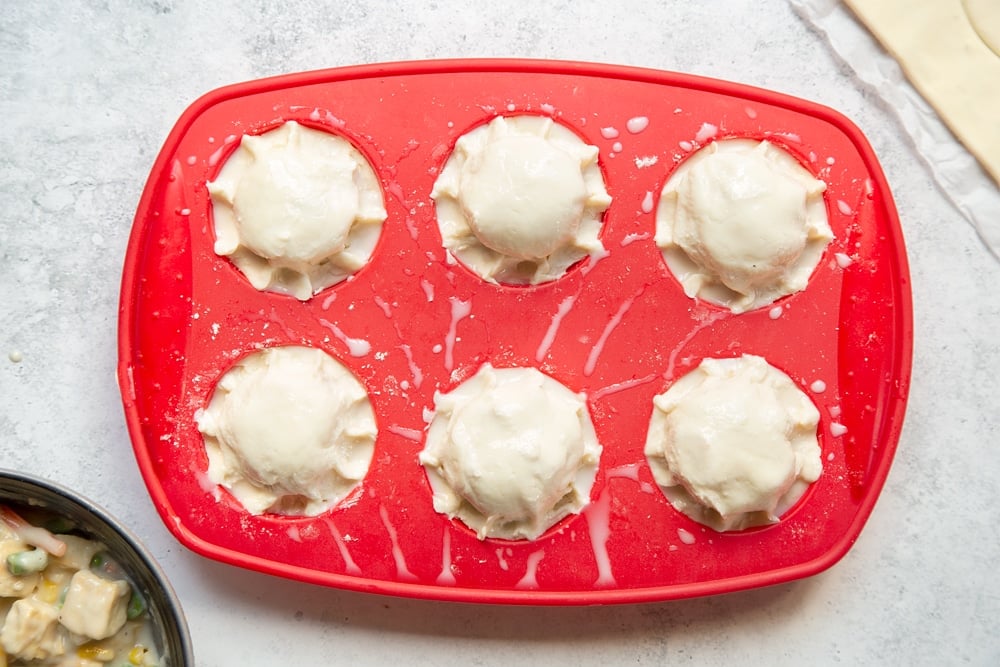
[[77, 587]]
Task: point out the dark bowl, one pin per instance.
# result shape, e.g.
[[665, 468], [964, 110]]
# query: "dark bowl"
[[170, 628]]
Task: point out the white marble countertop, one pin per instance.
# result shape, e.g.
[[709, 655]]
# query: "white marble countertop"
[[88, 92]]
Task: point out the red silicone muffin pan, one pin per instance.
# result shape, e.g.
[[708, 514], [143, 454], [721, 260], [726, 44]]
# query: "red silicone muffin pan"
[[619, 329]]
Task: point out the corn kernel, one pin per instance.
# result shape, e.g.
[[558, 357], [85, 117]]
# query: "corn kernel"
[[48, 592], [95, 652], [136, 655]]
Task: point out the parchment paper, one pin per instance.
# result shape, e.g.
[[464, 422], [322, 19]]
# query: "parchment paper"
[[952, 166]]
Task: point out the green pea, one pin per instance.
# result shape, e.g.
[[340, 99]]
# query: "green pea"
[[27, 562], [136, 606]]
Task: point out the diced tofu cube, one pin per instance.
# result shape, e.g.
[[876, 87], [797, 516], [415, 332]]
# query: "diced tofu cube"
[[95, 607], [15, 586], [32, 631]]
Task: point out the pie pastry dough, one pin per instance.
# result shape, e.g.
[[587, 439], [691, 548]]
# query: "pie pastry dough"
[[985, 18], [944, 46]]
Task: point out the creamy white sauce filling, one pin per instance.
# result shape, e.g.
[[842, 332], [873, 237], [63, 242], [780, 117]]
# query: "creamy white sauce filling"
[[510, 452], [69, 609], [296, 209], [288, 430], [741, 224], [520, 200], [732, 444]]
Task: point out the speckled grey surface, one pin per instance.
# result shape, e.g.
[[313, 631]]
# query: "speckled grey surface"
[[88, 91]]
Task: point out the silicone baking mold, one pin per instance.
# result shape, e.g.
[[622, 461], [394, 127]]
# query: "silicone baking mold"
[[617, 327]]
